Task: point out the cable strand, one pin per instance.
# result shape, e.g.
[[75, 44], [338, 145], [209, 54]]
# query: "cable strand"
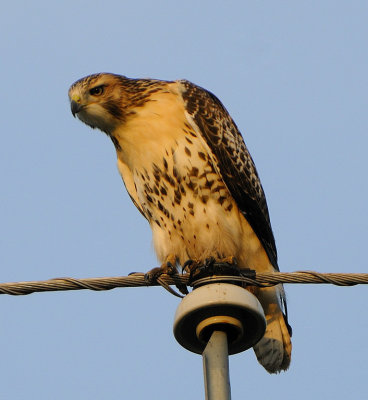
[[137, 280]]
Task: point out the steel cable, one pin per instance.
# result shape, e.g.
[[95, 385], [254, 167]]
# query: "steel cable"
[[137, 280]]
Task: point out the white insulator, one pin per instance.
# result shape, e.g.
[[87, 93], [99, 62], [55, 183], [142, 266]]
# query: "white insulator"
[[219, 306]]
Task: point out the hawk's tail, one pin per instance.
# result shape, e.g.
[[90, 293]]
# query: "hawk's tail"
[[273, 351]]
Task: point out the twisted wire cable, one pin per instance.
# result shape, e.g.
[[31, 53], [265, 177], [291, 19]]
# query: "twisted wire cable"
[[138, 279]]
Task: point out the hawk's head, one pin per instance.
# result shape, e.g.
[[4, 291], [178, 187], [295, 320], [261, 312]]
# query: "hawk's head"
[[98, 100]]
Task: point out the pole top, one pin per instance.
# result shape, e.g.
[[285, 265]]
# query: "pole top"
[[219, 306]]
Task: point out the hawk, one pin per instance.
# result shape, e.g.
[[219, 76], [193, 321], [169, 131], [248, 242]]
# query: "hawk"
[[187, 169]]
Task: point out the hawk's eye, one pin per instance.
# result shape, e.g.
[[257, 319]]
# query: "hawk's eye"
[[97, 91]]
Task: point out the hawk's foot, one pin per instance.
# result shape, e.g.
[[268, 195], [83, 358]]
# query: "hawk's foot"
[[191, 265], [211, 266], [168, 268]]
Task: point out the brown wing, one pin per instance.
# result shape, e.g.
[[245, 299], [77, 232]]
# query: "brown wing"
[[233, 160]]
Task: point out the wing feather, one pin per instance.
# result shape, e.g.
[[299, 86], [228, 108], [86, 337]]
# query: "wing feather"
[[233, 160]]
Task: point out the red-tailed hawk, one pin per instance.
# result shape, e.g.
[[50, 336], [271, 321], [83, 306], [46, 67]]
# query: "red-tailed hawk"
[[187, 169]]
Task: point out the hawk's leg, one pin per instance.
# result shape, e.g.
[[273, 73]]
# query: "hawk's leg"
[[191, 265], [168, 268]]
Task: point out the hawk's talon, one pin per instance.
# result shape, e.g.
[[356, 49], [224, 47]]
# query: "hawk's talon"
[[211, 266], [171, 269], [191, 265], [167, 268], [209, 262], [151, 275], [187, 263]]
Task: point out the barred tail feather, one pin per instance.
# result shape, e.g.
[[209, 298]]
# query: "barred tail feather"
[[273, 351]]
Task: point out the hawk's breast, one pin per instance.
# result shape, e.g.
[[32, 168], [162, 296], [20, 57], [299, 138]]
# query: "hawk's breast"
[[186, 202], [189, 208]]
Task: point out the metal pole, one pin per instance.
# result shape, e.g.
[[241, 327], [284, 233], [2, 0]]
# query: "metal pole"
[[216, 367]]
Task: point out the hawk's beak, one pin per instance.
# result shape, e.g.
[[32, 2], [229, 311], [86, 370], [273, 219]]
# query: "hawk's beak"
[[75, 107]]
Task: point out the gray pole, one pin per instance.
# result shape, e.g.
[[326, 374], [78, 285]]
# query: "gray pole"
[[216, 367], [231, 317]]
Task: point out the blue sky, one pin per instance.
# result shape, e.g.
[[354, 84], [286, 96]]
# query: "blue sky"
[[294, 77]]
